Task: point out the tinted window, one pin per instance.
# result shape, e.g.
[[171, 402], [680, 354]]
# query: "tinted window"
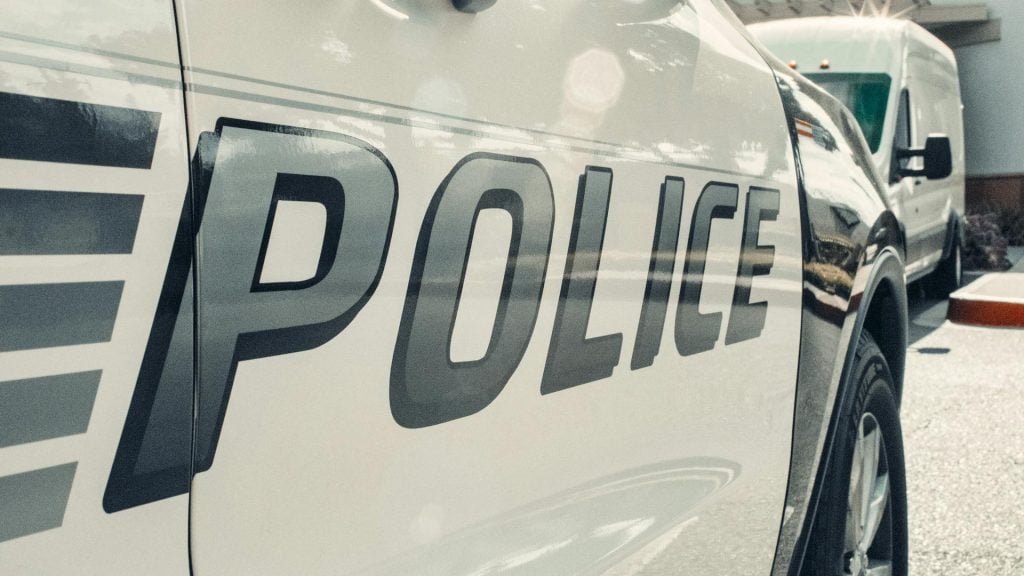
[[865, 95], [902, 137]]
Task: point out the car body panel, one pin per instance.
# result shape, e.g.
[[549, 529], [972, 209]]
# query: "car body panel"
[[304, 374], [854, 281], [852, 248], [92, 179], [526, 484], [926, 69]]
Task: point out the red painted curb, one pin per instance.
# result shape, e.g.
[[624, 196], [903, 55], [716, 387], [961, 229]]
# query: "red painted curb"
[[992, 300], [986, 313]]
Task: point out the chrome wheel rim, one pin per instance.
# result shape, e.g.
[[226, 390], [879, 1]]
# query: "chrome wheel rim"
[[868, 541]]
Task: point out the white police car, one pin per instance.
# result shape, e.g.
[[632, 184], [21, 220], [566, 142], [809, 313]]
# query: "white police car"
[[392, 287]]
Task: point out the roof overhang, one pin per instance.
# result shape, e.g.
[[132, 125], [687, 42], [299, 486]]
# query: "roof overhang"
[[956, 25]]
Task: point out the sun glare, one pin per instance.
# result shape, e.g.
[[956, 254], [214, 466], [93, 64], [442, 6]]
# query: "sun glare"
[[877, 9]]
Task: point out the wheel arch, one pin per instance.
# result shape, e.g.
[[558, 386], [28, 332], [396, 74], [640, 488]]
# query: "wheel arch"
[[954, 233], [878, 305], [880, 309], [872, 296], [884, 315]]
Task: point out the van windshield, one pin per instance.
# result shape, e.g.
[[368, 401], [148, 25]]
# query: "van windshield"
[[866, 95]]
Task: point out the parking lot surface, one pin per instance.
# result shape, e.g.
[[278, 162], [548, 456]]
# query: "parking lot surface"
[[963, 425]]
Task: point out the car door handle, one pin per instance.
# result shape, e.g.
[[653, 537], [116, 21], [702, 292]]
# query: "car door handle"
[[473, 6]]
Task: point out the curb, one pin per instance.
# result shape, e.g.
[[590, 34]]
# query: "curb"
[[992, 300]]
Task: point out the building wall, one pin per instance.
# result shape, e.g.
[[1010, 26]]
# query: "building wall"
[[992, 84]]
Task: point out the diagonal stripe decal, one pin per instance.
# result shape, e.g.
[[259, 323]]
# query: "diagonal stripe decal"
[[47, 315], [50, 130], [34, 501], [43, 222], [65, 136], [36, 409]]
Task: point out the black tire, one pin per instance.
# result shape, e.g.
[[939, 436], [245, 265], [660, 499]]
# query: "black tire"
[[873, 400], [946, 278]]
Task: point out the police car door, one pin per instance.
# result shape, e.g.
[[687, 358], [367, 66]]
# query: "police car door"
[[471, 294]]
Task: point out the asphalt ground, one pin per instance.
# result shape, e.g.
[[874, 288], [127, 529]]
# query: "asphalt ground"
[[963, 428]]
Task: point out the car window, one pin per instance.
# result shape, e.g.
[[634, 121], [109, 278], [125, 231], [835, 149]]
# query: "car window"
[[865, 95], [902, 137]]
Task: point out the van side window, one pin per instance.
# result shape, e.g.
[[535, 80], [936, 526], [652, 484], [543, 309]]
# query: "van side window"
[[902, 139]]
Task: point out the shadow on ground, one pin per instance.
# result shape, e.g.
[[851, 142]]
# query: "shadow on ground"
[[926, 315]]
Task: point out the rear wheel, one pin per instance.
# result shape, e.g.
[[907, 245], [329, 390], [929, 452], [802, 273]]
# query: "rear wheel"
[[861, 523]]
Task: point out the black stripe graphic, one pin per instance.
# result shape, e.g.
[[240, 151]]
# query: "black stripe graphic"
[[43, 222], [49, 130], [45, 315], [49, 407], [34, 501]]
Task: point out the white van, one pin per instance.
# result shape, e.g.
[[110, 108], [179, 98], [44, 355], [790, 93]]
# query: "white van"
[[901, 84]]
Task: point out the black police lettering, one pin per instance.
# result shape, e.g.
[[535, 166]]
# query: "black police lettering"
[[747, 319], [244, 169], [697, 332], [574, 359], [240, 172], [659, 274], [238, 323], [427, 388], [323, 190]]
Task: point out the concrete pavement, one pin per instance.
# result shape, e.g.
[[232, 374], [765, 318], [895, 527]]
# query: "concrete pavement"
[[993, 299], [963, 426]]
